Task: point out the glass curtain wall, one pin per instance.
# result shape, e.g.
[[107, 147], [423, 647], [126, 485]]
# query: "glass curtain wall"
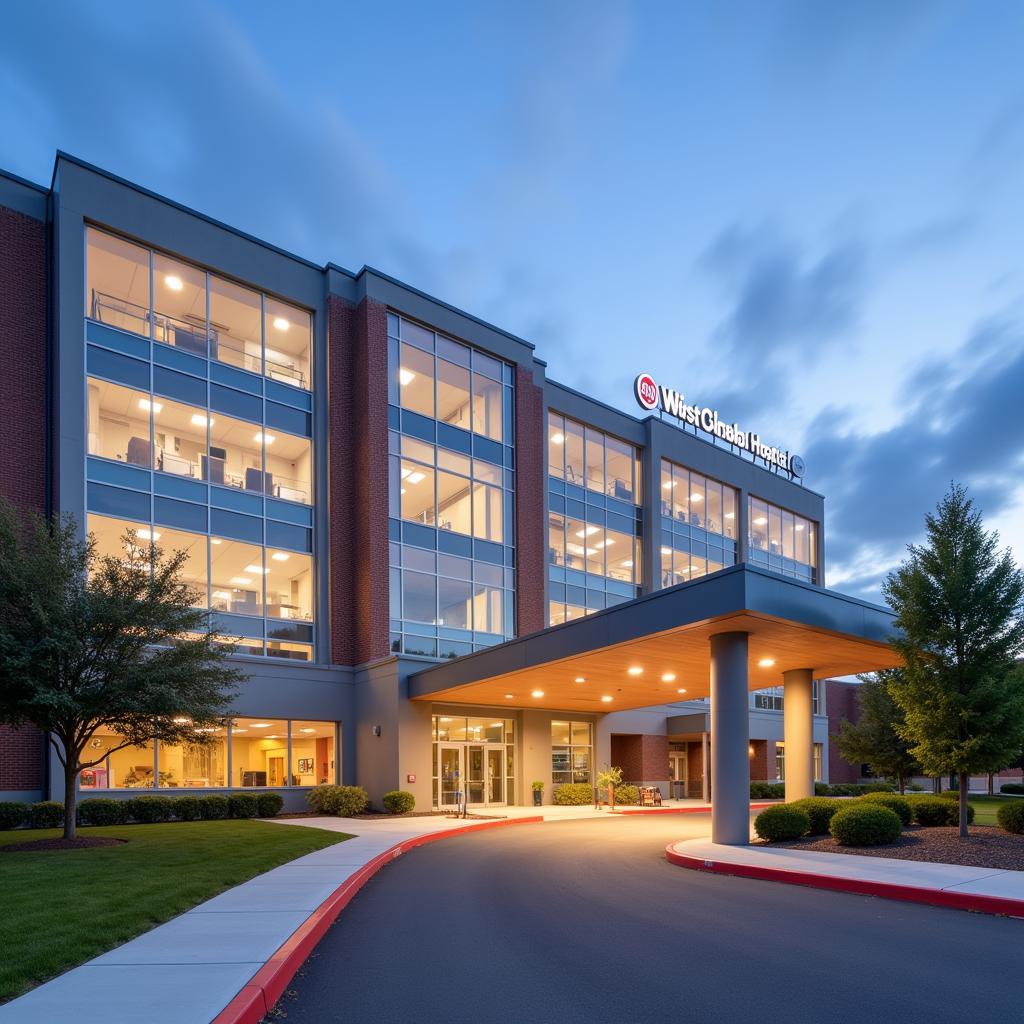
[[698, 524], [451, 489], [594, 519], [782, 541]]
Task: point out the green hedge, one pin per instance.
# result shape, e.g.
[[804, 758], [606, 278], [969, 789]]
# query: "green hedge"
[[627, 794], [101, 810], [342, 801], [865, 824], [819, 811], [1011, 817], [782, 822], [1014, 788], [937, 811], [270, 804], [186, 808], [149, 810], [12, 814], [46, 814], [574, 794], [900, 805], [243, 805], [213, 807], [398, 801], [767, 791]]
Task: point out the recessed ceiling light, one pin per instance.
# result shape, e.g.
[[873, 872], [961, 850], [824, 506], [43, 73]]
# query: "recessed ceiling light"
[[280, 556], [216, 540], [766, 662], [281, 324], [668, 677], [587, 531], [760, 521], [635, 670], [258, 569], [307, 730], [261, 725], [627, 564], [580, 679], [606, 699], [239, 730], [242, 581], [605, 543], [405, 376], [682, 689], [173, 282], [557, 438], [537, 693], [261, 437], [668, 485], [415, 477], [149, 534], [730, 515], [199, 420], [222, 595], [509, 696], [696, 497], [495, 725], [666, 551], [799, 527], [145, 405]]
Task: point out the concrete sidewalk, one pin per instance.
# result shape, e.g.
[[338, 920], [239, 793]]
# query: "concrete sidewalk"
[[988, 890]]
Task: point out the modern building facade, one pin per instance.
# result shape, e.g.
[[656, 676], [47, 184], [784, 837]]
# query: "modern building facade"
[[379, 493]]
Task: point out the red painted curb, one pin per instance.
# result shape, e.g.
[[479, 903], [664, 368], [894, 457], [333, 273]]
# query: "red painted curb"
[[886, 890], [268, 984], [686, 810]]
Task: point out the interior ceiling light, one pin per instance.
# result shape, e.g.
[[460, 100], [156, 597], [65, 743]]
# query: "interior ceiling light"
[[766, 662], [666, 551], [627, 564], [635, 670], [239, 730], [580, 679], [668, 485], [415, 477], [696, 497], [606, 699], [199, 420], [730, 515], [587, 531], [223, 595], [261, 437], [682, 689], [605, 543], [173, 282], [798, 527], [537, 693], [257, 569], [280, 324], [509, 696], [242, 581], [307, 730], [405, 376], [149, 534], [760, 521], [145, 405], [261, 725], [280, 556], [557, 438], [668, 677]]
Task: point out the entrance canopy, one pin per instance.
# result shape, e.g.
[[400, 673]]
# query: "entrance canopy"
[[656, 649]]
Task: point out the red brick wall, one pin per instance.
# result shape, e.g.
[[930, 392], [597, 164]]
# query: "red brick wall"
[[840, 704], [23, 415], [531, 563], [762, 761], [358, 462], [642, 758]]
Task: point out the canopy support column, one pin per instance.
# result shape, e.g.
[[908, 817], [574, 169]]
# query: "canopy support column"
[[798, 732], [730, 738]]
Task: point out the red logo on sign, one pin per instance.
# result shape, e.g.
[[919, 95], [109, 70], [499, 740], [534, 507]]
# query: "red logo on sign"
[[646, 391]]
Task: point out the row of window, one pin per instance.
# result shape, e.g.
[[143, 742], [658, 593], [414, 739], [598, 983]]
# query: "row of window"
[[780, 762], [593, 460], [773, 698], [782, 541], [249, 753], [572, 750], [698, 501], [173, 302]]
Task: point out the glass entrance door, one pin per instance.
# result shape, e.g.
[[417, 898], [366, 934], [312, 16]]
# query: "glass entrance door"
[[677, 760], [475, 773], [450, 774], [495, 776]]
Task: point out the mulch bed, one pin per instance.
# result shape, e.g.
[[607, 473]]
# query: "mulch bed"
[[374, 815], [61, 844], [987, 847]]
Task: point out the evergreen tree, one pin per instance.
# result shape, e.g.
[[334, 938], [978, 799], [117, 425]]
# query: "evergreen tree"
[[875, 737], [958, 604]]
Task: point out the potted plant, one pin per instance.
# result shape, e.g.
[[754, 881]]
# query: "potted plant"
[[538, 793]]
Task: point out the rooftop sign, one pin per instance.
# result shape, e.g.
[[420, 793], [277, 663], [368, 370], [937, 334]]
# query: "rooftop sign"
[[650, 397]]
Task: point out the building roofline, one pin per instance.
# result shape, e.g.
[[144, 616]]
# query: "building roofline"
[[18, 179]]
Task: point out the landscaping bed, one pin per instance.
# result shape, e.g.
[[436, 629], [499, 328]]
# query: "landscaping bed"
[[988, 847], [62, 907]]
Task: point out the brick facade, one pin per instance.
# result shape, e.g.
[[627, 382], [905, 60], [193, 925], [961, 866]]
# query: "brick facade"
[[642, 758], [840, 704], [531, 525], [23, 413], [762, 761], [358, 472]]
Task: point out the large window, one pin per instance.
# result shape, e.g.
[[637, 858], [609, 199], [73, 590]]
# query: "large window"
[[782, 541], [251, 752], [698, 525], [819, 761], [571, 752], [773, 698], [594, 520], [173, 302], [451, 486]]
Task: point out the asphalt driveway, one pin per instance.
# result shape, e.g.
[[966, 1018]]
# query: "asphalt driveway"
[[585, 921]]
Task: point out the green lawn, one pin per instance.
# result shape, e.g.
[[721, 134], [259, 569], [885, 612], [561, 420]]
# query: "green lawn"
[[63, 907], [986, 807]]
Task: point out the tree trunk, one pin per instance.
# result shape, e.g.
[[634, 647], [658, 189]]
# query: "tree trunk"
[[991, 784], [903, 784], [70, 788], [965, 780]]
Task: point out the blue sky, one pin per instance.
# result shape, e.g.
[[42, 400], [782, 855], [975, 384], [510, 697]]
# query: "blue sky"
[[804, 213]]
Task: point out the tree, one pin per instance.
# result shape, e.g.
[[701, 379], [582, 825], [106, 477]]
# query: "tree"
[[91, 641], [875, 738], [958, 611]]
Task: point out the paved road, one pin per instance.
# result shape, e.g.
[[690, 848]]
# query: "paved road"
[[586, 922]]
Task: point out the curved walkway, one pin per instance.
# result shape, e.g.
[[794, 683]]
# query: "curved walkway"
[[586, 921]]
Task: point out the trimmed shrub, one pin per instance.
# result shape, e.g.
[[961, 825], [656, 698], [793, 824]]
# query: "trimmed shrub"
[[148, 810], [213, 808], [627, 794], [243, 805], [821, 789], [46, 814], [865, 824], [13, 814], [1011, 817], [398, 801], [767, 791], [899, 804], [1014, 788], [930, 811], [950, 794], [101, 810], [574, 794], [777, 824], [343, 801], [819, 811], [187, 808], [269, 804]]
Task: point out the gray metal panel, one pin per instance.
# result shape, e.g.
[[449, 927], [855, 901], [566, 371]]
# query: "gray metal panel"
[[699, 722], [275, 688], [577, 406]]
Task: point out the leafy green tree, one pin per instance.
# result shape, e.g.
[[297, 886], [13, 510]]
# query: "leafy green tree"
[[958, 604], [875, 737], [100, 642]]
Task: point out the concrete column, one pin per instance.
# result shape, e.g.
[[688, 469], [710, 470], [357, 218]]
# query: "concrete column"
[[730, 737], [705, 769], [798, 732]]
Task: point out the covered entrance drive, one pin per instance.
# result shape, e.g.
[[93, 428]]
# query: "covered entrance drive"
[[721, 636]]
